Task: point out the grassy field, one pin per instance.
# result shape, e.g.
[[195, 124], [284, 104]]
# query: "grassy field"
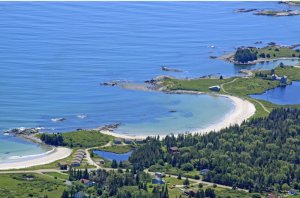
[[30, 185], [86, 139], [117, 148], [58, 175], [278, 52], [200, 84]]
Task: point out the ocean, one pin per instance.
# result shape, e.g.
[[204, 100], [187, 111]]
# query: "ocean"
[[54, 55]]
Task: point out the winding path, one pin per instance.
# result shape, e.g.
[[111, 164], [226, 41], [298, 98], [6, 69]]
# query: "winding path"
[[223, 89]]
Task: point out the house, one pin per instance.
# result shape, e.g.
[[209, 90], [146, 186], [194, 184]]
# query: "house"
[[292, 192], [87, 182], [101, 161], [173, 150], [62, 165], [160, 175], [76, 163], [118, 141], [215, 88], [80, 194], [158, 181], [128, 141], [204, 171], [284, 80], [190, 192], [275, 77]]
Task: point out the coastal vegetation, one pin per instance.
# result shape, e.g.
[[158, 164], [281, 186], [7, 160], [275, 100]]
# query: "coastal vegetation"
[[30, 185], [252, 55], [261, 155], [76, 139]]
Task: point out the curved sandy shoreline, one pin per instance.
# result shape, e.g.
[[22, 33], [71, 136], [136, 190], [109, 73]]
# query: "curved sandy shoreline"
[[57, 154], [243, 109]]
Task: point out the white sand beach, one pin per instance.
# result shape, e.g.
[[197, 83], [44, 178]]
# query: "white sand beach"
[[243, 110], [56, 154]]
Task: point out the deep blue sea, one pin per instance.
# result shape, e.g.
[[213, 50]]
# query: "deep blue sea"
[[53, 55]]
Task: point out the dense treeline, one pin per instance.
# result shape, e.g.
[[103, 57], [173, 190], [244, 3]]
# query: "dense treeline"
[[116, 184], [244, 55], [55, 139], [260, 155]]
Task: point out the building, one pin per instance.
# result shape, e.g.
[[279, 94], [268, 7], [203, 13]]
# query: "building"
[[62, 165], [160, 175], [215, 88], [76, 163], [158, 181], [190, 192], [284, 80], [87, 182], [101, 161], [128, 141], [173, 150], [118, 141], [204, 171]]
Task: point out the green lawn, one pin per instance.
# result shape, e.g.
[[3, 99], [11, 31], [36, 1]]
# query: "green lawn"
[[58, 175], [201, 84], [277, 52], [86, 139], [29, 185]]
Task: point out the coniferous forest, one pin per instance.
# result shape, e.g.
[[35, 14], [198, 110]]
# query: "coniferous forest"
[[261, 155]]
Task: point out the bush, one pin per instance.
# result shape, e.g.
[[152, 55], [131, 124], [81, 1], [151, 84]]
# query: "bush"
[[187, 167], [197, 177]]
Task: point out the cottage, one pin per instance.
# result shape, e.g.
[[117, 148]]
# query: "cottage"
[[62, 165], [173, 150], [76, 163], [158, 181], [160, 175], [128, 141], [284, 80], [292, 192], [87, 182], [204, 171], [215, 88], [118, 141], [101, 161], [191, 193]]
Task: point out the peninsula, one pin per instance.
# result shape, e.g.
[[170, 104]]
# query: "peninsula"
[[252, 55]]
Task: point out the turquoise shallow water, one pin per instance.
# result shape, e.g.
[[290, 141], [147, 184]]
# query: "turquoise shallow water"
[[53, 55]]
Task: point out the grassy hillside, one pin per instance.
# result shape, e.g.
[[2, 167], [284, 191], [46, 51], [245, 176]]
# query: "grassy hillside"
[[30, 185]]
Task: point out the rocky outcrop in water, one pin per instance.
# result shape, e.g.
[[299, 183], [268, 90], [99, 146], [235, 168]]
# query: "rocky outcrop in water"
[[170, 69], [245, 10], [22, 131], [109, 127]]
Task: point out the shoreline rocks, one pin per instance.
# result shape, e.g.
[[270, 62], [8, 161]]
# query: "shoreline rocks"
[[164, 68], [22, 131]]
